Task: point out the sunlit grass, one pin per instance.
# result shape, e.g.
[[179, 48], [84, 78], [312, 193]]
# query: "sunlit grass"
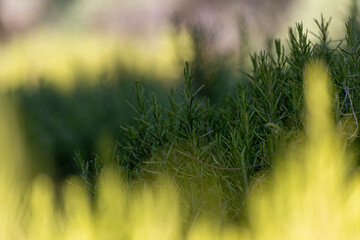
[[309, 195], [65, 59]]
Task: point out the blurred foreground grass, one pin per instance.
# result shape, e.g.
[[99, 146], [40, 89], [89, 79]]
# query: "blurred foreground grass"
[[311, 193]]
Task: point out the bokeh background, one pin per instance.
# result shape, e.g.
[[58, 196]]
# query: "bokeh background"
[[70, 65]]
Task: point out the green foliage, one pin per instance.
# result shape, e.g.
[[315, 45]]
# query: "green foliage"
[[217, 153]]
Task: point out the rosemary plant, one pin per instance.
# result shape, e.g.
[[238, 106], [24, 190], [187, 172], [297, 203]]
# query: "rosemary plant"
[[216, 153]]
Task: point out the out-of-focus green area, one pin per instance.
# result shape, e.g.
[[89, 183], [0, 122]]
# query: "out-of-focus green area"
[[71, 83], [71, 88]]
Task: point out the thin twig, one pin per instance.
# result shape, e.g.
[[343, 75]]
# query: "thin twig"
[[343, 102], [223, 168], [353, 111], [73, 184], [164, 157], [196, 217], [247, 195]]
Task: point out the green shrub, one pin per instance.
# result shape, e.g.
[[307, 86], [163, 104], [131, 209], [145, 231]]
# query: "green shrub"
[[218, 152]]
